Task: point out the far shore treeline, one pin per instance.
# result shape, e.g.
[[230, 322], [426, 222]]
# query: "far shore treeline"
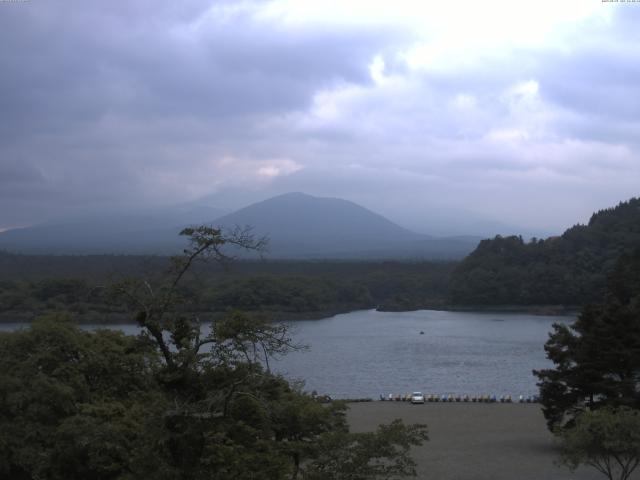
[[288, 290], [549, 275]]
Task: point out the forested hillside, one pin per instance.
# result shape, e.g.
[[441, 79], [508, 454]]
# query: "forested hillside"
[[31, 285], [569, 270]]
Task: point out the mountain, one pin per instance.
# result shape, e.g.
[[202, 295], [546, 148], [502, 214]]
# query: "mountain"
[[303, 226], [140, 232], [298, 226], [570, 269]]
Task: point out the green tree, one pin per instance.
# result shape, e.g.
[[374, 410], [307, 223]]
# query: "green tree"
[[606, 439], [76, 404], [567, 270], [373, 455], [174, 402], [597, 358]]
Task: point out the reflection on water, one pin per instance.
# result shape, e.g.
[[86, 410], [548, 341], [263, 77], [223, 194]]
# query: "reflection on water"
[[368, 353]]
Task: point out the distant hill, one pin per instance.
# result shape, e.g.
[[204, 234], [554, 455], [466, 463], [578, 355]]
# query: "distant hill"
[[570, 269], [299, 226], [131, 232], [303, 226]]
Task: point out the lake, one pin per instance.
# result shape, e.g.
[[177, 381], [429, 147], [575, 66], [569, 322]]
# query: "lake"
[[368, 353]]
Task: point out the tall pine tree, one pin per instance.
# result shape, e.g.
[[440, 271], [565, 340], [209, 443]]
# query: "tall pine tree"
[[597, 358]]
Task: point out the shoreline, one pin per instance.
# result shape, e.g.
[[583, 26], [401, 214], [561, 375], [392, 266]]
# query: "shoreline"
[[98, 318], [541, 310]]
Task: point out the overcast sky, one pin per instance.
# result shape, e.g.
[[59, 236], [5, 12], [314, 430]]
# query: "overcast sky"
[[525, 112]]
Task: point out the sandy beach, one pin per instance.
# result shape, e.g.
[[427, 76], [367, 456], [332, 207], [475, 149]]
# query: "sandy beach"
[[470, 441]]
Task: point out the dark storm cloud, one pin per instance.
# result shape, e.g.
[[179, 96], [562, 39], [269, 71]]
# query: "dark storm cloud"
[[118, 104], [69, 65], [100, 94]]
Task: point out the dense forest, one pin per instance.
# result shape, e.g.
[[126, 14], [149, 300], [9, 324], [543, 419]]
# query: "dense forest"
[[570, 269], [31, 285], [175, 402]]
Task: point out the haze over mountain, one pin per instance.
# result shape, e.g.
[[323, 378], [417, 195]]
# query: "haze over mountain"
[[428, 113], [435, 217], [134, 232], [298, 226]]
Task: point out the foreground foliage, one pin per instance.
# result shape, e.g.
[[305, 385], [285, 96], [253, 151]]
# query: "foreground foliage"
[[597, 359], [607, 440], [176, 402]]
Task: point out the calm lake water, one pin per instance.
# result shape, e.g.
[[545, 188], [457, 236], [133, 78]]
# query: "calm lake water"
[[368, 353]]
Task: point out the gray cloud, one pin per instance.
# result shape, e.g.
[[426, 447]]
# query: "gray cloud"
[[108, 104]]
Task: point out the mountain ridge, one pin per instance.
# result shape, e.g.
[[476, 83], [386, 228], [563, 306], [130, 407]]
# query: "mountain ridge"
[[304, 226], [298, 225]]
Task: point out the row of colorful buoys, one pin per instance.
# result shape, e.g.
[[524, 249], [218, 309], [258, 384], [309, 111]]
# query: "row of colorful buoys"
[[397, 398], [463, 398], [530, 399]]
